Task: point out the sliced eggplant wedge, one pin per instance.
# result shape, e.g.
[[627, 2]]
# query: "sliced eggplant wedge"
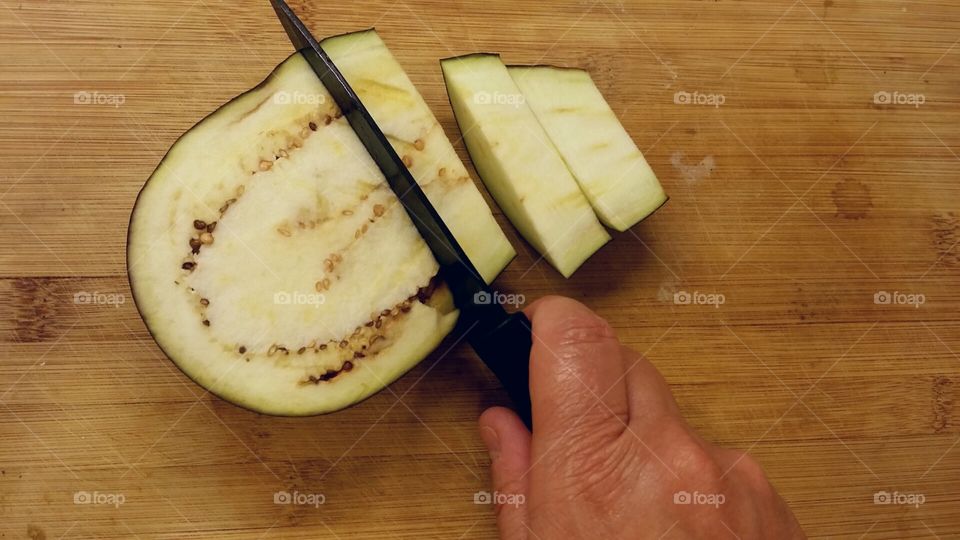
[[417, 136], [272, 263], [519, 164], [611, 170]]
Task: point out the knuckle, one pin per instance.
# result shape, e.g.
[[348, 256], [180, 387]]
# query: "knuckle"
[[697, 463], [748, 465], [751, 471], [693, 462], [582, 329], [575, 342]]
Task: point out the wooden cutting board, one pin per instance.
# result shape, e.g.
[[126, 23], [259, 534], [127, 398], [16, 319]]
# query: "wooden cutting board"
[[810, 149]]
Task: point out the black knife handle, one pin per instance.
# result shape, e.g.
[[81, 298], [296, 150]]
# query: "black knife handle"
[[505, 349]]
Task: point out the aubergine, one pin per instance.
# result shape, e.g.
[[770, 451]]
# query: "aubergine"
[[608, 166], [418, 137], [271, 261], [519, 164]]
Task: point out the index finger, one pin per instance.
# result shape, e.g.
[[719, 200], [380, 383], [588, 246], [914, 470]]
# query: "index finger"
[[576, 371]]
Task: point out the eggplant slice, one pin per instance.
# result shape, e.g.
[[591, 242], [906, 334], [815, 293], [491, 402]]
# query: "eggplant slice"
[[273, 264], [519, 164], [608, 166]]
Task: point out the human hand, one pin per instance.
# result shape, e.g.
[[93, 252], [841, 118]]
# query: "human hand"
[[610, 455]]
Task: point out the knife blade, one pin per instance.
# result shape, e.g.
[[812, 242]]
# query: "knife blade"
[[502, 340]]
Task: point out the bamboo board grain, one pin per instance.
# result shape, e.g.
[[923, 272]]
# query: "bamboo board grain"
[[798, 198]]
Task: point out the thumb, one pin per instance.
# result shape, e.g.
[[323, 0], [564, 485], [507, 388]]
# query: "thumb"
[[508, 442]]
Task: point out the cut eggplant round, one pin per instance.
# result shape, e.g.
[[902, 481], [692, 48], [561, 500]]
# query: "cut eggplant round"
[[273, 264]]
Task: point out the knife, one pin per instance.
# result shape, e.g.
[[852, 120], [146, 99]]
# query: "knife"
[[502, 340]]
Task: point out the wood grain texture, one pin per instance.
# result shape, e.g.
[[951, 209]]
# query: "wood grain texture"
[[798, 199]]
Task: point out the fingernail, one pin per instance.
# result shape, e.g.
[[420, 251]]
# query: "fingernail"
[[492, 441]]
